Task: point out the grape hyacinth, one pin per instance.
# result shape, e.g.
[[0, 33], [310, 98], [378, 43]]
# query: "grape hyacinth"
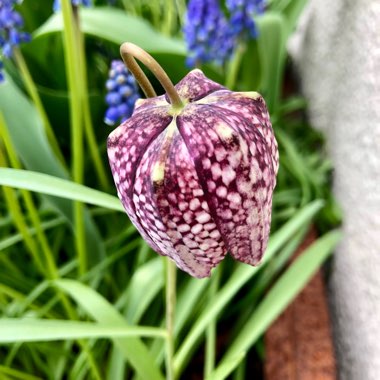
[[122, 93], [206, 33], [241, 17], [10, 35], [197, 179], [57, 4]]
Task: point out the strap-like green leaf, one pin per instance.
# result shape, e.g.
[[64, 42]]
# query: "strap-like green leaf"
[[103, 312], [47, 184], [42, 330], [281, 294], [116, 26], [239, 278], [31, 144]]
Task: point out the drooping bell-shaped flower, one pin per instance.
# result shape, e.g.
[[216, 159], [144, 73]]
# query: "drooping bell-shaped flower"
[[198, 181]]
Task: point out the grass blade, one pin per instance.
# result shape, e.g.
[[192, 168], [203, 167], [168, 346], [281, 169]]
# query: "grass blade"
[[42, 330], [36, 154], [47, 184], [281, 294], [104, 312], [109, 24], [240, 277], [226, 368]]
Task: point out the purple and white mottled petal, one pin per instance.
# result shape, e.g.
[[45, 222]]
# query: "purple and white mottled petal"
[[250, 106], [150, 103], [126, 146], [261, 152], [196, 85], [233, 170], [185, 212], [159, 203]]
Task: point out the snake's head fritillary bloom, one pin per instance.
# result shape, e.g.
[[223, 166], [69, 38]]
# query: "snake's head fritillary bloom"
[[198, 182]]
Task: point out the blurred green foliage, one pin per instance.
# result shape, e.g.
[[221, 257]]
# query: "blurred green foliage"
[[81, 295]]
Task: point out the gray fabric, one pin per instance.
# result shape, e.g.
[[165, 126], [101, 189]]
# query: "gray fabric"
[[336, 50]]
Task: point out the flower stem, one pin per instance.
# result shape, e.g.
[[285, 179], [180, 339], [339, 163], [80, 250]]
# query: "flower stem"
[[169, 17], [170, 308], [72, 60], [87, 120], [211, 329], [234, 66], [131, 51]]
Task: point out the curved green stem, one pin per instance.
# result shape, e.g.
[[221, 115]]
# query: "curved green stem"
[[131, 51]]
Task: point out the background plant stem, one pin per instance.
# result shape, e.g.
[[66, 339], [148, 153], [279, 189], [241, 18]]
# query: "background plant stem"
[[171, 274], [234, 66], [73, 63], [88, 125], [211, 329]]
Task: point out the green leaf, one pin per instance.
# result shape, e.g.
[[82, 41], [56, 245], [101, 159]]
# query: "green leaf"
[[272, 53], [292, 13], [281, 294], [47, 184], [144, 286], [116, 26], [42, 330], [226, 368], [15, 374], [16, 238], [296, 164], [239, 278], [104, 312], [30, 142], [251, 70], [294, 103], [27, 132]]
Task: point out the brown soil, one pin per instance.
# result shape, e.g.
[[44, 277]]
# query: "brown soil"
[[299, 344]]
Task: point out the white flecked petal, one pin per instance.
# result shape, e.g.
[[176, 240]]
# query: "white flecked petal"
[[238, 184]]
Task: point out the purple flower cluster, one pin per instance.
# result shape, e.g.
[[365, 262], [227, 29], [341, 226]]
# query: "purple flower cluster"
[[10, 35], [206, 33], [85, 3], [122, 93], [242, 12], [210, 36]]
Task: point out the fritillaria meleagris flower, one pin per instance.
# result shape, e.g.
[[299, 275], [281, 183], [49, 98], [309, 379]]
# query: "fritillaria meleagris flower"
[[198, 182]]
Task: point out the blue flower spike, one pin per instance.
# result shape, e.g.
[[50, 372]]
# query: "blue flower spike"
[[122, 93], [207, 33], [210, 36], [10, 34], [241, 17]]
